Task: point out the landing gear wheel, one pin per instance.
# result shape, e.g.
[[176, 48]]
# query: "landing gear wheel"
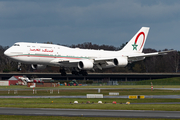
[[19, 67], [75, 72], [63, 72], [83, 72]]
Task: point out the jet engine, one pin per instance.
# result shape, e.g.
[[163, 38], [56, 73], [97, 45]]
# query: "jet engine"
[[121, 61], [85, 65], [38, 66]]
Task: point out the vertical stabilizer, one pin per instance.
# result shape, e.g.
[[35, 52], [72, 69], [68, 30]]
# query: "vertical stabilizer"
[[136, 44]]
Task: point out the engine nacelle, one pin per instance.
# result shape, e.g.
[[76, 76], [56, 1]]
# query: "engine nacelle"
[[38, 66], [121, 61], [85, 65]]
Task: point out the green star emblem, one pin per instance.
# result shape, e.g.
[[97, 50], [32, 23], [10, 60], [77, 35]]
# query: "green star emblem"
[[134, 46]]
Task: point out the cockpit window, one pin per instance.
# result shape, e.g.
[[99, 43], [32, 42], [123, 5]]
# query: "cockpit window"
[[16, 45]]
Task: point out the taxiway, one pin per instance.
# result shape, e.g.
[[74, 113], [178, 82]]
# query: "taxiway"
[[89, 113]]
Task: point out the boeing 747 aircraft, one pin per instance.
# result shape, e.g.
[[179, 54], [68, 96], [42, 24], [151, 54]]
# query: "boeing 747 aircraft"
[[79, 61]]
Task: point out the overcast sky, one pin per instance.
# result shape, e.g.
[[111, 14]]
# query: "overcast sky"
[[109, 22]]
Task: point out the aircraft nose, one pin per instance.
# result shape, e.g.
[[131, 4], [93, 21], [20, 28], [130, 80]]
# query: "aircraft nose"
[[6, 53]]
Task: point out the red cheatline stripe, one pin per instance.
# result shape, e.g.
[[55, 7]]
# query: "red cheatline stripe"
[[45, 56]]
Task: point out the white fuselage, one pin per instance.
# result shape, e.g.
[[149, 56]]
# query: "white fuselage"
[[79, 60], [48, 54]]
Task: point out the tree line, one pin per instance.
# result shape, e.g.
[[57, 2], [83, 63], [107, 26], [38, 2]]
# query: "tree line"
[[157, 64]]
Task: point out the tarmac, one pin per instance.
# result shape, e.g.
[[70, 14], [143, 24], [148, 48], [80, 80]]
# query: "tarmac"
[[90, 113]]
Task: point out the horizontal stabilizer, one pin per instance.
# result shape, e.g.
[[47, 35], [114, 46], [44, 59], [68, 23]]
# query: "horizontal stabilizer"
[[150, 54]]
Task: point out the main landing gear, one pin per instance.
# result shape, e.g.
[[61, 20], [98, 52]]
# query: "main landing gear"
[[19, 66], [62, 71], [74, 72], [81, 72]]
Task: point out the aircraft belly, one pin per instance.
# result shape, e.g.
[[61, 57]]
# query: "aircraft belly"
[[33, 60], [108, 65]]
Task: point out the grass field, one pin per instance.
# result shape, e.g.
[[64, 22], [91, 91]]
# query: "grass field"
[[107, 103], [157, 83], [57, 92], [90, 86], [165, 81]]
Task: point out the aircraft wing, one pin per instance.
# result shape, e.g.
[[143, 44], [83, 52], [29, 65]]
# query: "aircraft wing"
[[131, 58], [64, 61], [98, 62], [134, 56], [150, 54]]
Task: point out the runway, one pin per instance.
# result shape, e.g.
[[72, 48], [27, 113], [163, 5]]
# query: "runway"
[[90, 113], [105, 96]]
